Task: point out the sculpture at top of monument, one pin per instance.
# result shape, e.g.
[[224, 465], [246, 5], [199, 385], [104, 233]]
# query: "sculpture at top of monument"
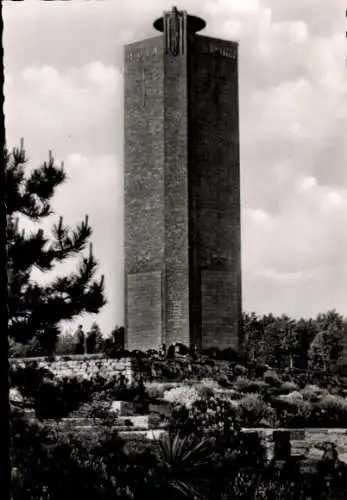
[[174, 31], [193, 23], [175, 24]]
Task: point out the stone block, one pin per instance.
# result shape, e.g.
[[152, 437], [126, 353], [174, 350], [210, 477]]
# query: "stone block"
[[138, 421], [123, 408]]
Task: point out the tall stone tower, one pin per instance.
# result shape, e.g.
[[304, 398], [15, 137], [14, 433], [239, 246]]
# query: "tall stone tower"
[[182, 188]]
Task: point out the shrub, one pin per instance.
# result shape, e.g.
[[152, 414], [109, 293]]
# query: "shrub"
[[213, 415], [293, 397], [29, 378], [256, 386], [292, 411], [98, 410], [224, 380], [184, 395], [242, 383], [32, 348], [114, 352], [171, 371], [288, 387], [51, 397], [58, 398], [210, 362], [302, 379], [207, 387], [240, 370], [229, 394], [116, 390], [335, 408], [211, 352], [272, 378], [55, 466], [49, 359], [313, 393], [183, 350], [259, 368], [254, 411], [228, 354], [155, 390]]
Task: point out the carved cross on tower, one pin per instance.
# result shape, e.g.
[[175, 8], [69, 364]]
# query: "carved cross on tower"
[[143, 87]]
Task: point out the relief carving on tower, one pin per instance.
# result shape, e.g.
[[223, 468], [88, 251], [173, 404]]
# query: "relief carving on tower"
[[174, 32], [141, 53]]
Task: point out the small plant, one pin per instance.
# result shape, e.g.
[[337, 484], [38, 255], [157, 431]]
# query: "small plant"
[[313, 393], [271, 378], [254, 411], [184, 395], [334, 403], [293, 397], [207, 387], [293, 411], [240, 370], [224, 380], [258, 386], [49, 359], [242, 383], [288, 387], [155, 390]]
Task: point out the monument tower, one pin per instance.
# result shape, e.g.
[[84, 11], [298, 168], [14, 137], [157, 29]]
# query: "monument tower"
[[181, 188]]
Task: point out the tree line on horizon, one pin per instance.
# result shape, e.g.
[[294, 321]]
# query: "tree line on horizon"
[[315, 343]]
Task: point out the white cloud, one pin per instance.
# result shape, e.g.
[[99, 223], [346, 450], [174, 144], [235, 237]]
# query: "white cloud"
[[306, 183], [64, 110], [273, 274], [226, 7]]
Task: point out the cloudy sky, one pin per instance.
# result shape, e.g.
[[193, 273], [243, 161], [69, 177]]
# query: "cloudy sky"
[[64, 91]]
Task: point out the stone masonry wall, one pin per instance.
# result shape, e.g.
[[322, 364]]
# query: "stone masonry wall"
[[144, 192], [304, 440], [182, 195], [176, 199], [145, 306], [214, 191], [81, 366]]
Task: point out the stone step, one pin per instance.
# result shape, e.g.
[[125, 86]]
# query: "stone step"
[[132, 421]]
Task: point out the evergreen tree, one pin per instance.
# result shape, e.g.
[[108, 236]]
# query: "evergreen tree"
[[327, 348], [36, 310], [117, 336], [5, 431], [65, 344], [95, 341]]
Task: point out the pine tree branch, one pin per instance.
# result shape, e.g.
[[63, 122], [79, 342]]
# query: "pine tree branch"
[[64, 299], [26, 252], [31, 196], [67, 242], [44, 180]]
